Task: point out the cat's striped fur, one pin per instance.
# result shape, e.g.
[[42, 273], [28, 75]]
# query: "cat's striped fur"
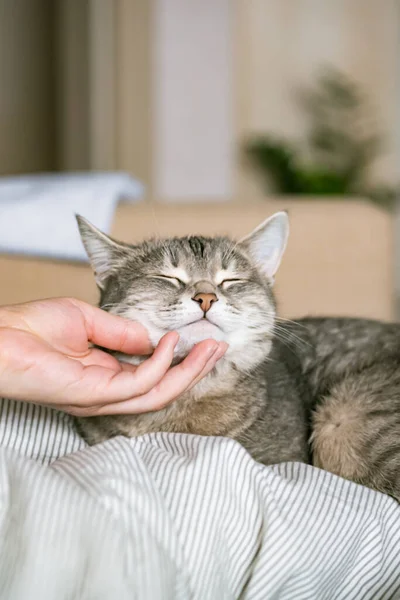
[[320, 390]]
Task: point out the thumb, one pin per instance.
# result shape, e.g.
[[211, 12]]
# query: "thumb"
[[114, 332]]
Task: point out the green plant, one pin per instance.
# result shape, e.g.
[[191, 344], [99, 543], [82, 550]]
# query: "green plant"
[[340, 146]]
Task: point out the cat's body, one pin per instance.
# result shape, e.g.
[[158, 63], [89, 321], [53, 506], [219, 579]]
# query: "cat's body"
[[352, 367], [336, 381], [265, 410]]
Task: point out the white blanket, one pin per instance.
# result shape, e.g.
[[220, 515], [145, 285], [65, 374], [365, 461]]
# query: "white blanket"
[[176, 517], [37, 212]]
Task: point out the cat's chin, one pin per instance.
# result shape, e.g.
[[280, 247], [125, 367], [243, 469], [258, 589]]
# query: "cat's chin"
[[189, 336], [197, 332]]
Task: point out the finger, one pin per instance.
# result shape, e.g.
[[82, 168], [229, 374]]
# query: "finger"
[[176, 381], [199, 362], [95, 385], [114, 332], [152, 370], [223, 346]]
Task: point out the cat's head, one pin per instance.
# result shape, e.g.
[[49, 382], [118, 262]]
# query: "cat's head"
[[202, 287]]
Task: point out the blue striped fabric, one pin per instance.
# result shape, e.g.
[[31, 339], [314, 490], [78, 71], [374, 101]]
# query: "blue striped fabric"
[[169, 516]]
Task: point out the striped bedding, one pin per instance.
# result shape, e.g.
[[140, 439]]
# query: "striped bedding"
[[169, 516]]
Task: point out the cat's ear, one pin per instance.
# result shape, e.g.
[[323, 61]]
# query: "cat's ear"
[[103, 252], [267, 243]]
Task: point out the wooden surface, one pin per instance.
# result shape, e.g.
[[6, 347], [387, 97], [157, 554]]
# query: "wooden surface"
[[339, 259]]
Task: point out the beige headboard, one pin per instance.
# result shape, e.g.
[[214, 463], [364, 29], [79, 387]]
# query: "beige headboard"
[[338, 261]]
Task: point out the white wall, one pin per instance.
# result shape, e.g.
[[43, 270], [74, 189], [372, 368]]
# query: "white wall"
[[282, 43], [192, 99]]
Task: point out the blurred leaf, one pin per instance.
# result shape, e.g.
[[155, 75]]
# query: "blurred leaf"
[[277, 160], [321, 182], [341, 144], [333, 91]]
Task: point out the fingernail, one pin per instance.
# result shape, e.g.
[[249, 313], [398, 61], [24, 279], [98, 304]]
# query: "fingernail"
[[175, 337], [222, 348], [212, 350]]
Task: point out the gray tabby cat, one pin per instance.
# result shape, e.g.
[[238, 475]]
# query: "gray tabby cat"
[[281, 384]]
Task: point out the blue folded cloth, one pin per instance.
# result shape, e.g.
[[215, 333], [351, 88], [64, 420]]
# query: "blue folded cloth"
[[37, 211]]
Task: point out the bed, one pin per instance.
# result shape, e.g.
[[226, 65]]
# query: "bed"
[[168, 516]]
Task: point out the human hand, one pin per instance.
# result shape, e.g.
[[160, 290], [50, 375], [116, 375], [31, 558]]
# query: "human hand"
[[46, 357]]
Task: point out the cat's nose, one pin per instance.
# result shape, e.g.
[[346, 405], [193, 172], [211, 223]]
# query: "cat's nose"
[[205, 301]]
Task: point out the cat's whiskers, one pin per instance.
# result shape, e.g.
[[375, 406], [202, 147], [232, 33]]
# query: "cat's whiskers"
[[288, 337], [289, 343], [156, 222], [290, 333], [229, 252], [284, 320], [121, 307], [109, 305]]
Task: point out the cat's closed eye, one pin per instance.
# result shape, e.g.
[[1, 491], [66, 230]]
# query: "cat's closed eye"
[[226, 283], [173, 280]]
